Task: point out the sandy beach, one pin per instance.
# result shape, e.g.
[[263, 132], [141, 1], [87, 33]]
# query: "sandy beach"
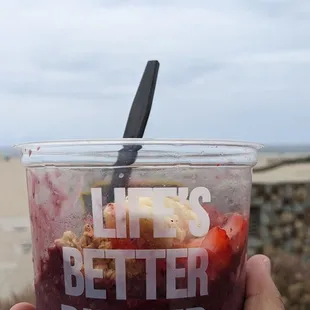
[[15, 256], [15, 235]]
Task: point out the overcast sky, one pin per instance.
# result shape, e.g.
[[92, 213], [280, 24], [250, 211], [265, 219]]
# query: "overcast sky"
[[230, 69]]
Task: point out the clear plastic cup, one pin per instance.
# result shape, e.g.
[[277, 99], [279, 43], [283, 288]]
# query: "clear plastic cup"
[[174, 237]]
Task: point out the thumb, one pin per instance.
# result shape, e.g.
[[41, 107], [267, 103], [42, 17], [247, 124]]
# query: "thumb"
[[23, 306], [261, 292]]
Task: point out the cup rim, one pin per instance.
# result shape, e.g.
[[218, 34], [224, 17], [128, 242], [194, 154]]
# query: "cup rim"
[[134, 141]]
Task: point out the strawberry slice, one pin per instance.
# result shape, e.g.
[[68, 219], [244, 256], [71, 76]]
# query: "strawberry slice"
[[219, 249], [217, 243], [124, 243], [236, 229], [216, 218]]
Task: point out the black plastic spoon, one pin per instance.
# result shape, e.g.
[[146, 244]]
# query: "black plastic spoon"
[[135, 127]]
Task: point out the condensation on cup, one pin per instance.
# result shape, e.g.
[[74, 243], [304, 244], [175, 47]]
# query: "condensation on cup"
[[175, 237]]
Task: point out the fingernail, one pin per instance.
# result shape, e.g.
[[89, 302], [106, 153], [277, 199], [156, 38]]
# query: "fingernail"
[[267, 264]]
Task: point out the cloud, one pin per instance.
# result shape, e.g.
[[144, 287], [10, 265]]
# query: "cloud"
[[229, 69]]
